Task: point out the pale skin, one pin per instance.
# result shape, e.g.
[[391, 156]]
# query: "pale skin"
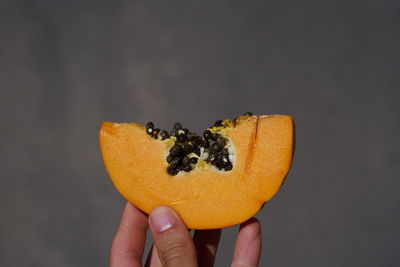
[[173, 244]]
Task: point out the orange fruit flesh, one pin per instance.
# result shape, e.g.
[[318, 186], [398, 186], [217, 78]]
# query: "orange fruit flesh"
[[204, 198]]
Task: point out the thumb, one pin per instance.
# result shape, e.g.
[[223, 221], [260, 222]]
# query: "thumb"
[[173, 241]]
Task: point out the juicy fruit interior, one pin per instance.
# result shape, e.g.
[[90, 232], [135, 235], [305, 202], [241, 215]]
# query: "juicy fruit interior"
[[205, 198], [187, 150]]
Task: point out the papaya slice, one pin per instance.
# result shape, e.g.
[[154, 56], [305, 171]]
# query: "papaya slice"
[[255, 155]]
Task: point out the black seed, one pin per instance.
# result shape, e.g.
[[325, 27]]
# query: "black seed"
[[187, 168], [221, 141], [218, 123], [186, 160], [149, 128], [221, 157], [180, 168], [193, 139], [219, 164], [175, 163], [211, 158], [172, 171], [228, 166], [181, 138], [194, 160], [206, 143], [155, 132], [150, 125], [197, 141], [177, 126], [176, 150], [187, 148], [248, 114], [174, 132], [197, 151], [216, 162], [225, 152], [215, 148], [186, 130], [169, 158], [191, 135], [215, 136], [207, 134], [164, 134]]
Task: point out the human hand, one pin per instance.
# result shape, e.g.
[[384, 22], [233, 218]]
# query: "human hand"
[[174, 245]]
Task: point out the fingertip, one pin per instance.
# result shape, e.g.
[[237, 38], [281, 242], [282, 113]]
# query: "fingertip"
[[130, 209], [252, 225], [162, 218], [248, 244], [172, 239], [132, 214], [252, 220], [129, 206]]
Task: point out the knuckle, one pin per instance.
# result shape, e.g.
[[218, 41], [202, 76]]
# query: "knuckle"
[[176, 250], [129, 253], [132, 226]]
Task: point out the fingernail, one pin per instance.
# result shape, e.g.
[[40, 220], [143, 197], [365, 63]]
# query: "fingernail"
[[161, 219]]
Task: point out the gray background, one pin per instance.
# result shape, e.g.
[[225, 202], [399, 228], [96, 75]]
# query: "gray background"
[[66, 66]]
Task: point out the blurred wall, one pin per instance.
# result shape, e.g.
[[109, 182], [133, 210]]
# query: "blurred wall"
[[65, 66]]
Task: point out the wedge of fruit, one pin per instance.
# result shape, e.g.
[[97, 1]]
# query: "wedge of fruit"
[[216, 180]]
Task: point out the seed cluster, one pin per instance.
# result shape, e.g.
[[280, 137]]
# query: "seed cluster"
[[189, 148]]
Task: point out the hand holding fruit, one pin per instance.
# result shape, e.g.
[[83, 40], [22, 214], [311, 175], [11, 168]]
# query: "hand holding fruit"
[[174, 245]]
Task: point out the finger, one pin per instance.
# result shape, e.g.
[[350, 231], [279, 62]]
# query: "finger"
[[173, 241], [153, 260], [206, 242], [128, 244], [248, 244]]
